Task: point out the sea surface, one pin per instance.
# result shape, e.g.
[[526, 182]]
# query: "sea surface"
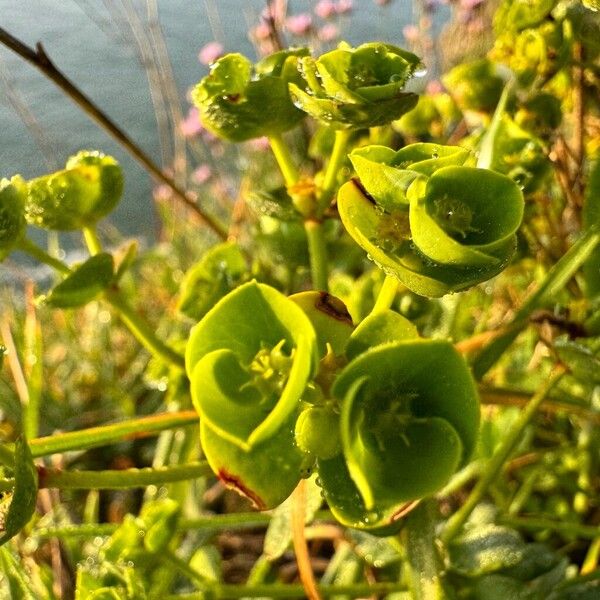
[[88, 41]]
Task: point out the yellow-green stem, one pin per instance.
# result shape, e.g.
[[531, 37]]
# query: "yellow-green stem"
[[496, 463], [284, 159], [386, 295], [317, 249], [92, 241], [27, 246], [338, 155]]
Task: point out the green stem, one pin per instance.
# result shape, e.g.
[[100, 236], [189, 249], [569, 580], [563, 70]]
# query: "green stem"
[[423, 561], [108, 434], [120, 479], [558, 276], [92, 241], [184, 568], [143, 332], [494, 466], [284, 159], [338, 156], [26, 245], [588, 532], [317, 250], [386, 295], [140, 329], [289, 591]]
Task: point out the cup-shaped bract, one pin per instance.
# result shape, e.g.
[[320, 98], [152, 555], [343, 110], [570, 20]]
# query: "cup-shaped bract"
[[386, 174], [239, 101], [249, 360], [85, 191], [466, 217], [349, 88], [409, 420], [12, 214]]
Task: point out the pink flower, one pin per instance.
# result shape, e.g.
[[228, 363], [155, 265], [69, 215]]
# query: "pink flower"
[[470, 4], [299, 24], [343, 6], [210, 52], [162, 192], [261, 32], [325, 9], [411, 33], [201, 174], [260, 144], [328, 33], [434, 87], [382, 2], [191, 125]]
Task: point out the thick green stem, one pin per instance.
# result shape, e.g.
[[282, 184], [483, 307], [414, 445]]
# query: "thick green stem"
[[92, 241], [338, 156], [588, 532], [386, 296], [496, 463], [289, 591], [26, 245], [108, 434], [317, 249], [558, 276], [119, 479], [143, 332], [284, 159], [423, 561]]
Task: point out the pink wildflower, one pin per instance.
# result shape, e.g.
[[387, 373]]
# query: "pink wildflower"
[[299, 24], [411, 33], [201, 174], [325, 9], [434, 87], [210, 52], [343, 7], [261, 32], [191, 125], [260, 144], [328, 33]]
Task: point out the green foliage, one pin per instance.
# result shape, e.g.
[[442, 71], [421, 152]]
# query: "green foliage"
[[12, 214], [84, 192], [356, 87], [239, 101], [23, 498], [84, 284]]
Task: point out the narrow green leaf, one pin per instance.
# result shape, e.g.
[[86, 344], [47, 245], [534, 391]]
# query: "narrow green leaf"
[[24, 495], [84, 284]]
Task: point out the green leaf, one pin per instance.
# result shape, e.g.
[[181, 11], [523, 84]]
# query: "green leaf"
[[19, 585], [219, 271], [24, 495], [377, 329], [273, 203], [591, 217], [84, 284], [87, 190], [581, 360], [160, 518], [329, 317], [279, 533], [467, 217], [409, 419], [385, 238], [249, 360], [266, 474], [516, 15], [238, 104], [356, 87], [12, 214]]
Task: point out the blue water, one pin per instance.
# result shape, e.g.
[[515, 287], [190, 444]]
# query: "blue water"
[[107, 69]]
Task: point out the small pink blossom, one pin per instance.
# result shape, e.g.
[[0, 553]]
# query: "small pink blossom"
[[299, 24], [210, 52], [343, 6], [434, 87], [325, 9], [191, 125], [260, 144], [201, 174], [261, 32], [162, 192], [470, 4], [328, 33], [411, 33], [382, 2]]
